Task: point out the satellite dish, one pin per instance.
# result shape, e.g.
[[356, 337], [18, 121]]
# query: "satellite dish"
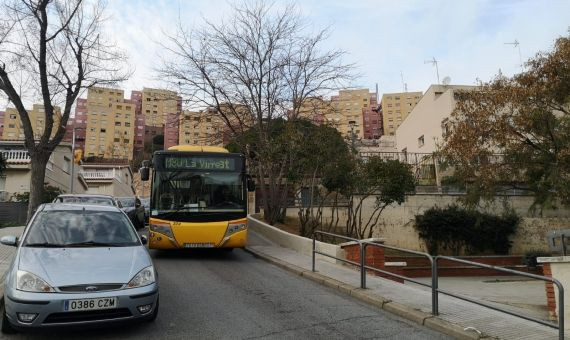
[[446, 81]]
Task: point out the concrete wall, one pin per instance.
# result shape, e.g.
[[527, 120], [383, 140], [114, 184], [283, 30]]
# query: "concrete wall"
[[300, 244], [396, 224]]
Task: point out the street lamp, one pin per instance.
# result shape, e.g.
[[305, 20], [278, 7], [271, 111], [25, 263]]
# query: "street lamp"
[[352, 124], [73, 157]]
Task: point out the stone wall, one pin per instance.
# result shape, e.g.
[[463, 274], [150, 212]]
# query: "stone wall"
[[396, 224]]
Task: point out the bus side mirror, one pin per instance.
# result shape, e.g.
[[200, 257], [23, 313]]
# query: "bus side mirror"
[[250, 184], [144, 172]]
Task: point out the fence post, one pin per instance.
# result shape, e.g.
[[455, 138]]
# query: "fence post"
[[560, 310], [434, 287], [362, 265], [314, 248]]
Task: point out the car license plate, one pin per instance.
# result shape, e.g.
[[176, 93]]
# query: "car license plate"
[[90, 304], [198, 245]]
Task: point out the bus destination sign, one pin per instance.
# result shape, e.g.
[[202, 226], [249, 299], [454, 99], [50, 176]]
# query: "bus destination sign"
[[200, 163]]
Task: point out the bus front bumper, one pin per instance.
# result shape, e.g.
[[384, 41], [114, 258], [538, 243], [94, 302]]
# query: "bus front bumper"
[[160, 241]]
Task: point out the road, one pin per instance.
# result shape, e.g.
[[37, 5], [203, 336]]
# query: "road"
[[215, 295]]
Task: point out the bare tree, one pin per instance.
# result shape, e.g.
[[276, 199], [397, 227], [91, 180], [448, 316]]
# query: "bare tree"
[[259, 65], [51, 50]]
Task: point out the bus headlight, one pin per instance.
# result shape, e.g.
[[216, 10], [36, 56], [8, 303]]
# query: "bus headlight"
[[163, 229], [235, 227]]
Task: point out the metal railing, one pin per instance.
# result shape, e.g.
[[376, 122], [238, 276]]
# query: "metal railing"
[[560, 325], [435, 290], [15, 156]]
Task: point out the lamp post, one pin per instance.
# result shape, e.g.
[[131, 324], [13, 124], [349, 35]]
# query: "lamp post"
[[352, 124]]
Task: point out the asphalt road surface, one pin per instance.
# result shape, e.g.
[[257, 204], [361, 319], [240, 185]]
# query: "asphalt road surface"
[[221, 295]]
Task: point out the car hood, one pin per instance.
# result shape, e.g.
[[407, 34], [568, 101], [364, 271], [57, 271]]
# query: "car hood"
[[76, 266]]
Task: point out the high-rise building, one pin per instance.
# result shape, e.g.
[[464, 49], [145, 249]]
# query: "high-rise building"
[[136, 98], [157, 104], [13, 129], [79, 123], [372, 117], [201, 128], [110, 124], [396, 107]]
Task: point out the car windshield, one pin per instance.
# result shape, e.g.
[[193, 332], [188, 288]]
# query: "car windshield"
[[81, 228], [86, 200], [127, 201]]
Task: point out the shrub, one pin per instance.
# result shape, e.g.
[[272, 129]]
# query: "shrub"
[[455, 229]]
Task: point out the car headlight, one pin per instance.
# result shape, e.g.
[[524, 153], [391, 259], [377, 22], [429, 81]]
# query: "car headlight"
[[29, 282], [163, 229], [143, 278], [235, 227]]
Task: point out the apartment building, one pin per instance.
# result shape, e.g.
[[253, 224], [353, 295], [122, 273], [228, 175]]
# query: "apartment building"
[[372, 117], [423, 129], [13, 129], [201, 128], [1, 122], [395, 108], [158, 104], [110, 124], [139, 137], [349, 106], [79, 124]]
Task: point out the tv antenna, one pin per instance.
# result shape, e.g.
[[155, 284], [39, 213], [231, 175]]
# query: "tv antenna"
[[404, 85], [434, 62], [446, 80], [517, 45]]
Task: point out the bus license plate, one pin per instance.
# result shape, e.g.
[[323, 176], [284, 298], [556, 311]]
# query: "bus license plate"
[[198, 245], [90, 304]]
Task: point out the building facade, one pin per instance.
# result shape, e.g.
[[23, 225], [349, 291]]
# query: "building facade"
[[13, 129], [422, 131], [395, 108], [159, 104], [110, 124], [349, 106], [1, 122], [372, 118], [16, 178], [201, 128], [108, 179]]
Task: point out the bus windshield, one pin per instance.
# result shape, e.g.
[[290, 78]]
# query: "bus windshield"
[[180, 193]]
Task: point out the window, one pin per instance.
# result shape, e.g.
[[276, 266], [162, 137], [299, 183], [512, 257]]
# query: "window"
[[117, 123], [116, 140], [421, 141], [126, 141], [66, 166], [103, 130], [397, 97], [11, 126], [127, 124], [12, 116]]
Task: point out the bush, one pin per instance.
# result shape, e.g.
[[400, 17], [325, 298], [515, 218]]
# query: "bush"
[[456, 229], [49, 194]]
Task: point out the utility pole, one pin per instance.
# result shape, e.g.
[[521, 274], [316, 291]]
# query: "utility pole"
[[72, 161], [434, 63]]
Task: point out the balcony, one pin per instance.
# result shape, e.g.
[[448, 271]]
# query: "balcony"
[[100, 175], [16, 156]]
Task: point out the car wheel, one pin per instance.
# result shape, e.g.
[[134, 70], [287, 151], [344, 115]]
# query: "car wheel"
[[155, 312], [6, 326]]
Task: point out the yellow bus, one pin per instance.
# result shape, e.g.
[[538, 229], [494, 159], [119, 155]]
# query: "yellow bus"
[[198, 198]]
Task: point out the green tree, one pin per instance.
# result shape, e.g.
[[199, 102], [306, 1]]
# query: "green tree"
[[387, 181], [525, 119]]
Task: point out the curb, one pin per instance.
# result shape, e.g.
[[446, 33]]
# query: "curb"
[[417, 316]]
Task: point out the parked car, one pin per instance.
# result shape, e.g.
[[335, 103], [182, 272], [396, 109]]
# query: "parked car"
[[133, 207], [146, 204], [88, 199], [78, 265]]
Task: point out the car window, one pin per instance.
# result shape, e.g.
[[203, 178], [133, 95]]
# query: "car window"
[[87, 200], [80, 226], [127, 201]]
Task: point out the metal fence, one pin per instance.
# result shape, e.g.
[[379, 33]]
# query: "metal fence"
[[435, 290], [13, 212]]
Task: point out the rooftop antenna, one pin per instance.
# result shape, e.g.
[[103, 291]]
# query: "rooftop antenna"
[[517, 45], [376, 92], [404, 87], [434, 62]]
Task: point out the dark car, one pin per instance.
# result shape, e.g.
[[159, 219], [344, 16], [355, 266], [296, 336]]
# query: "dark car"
[[133, 207]]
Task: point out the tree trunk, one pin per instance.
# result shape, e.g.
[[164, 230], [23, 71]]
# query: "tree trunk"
[[38, 164]]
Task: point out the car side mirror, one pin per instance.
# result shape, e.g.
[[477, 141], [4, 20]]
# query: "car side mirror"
[[144, 239], [9, 240], [145, 173], [250, 184]]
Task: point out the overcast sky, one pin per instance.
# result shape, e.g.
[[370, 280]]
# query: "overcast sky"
[[384, 38]]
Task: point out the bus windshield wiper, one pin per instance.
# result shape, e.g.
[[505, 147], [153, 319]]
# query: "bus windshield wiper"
[[93, 244], [44, 245]]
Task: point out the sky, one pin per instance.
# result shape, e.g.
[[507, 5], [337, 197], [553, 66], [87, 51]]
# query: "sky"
[[387, 40]]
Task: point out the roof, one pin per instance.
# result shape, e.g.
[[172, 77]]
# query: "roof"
[[71, 206], [86, 195], [198, 148]]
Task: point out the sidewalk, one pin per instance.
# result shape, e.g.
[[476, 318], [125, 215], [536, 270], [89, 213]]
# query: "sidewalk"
[[416, 302]]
